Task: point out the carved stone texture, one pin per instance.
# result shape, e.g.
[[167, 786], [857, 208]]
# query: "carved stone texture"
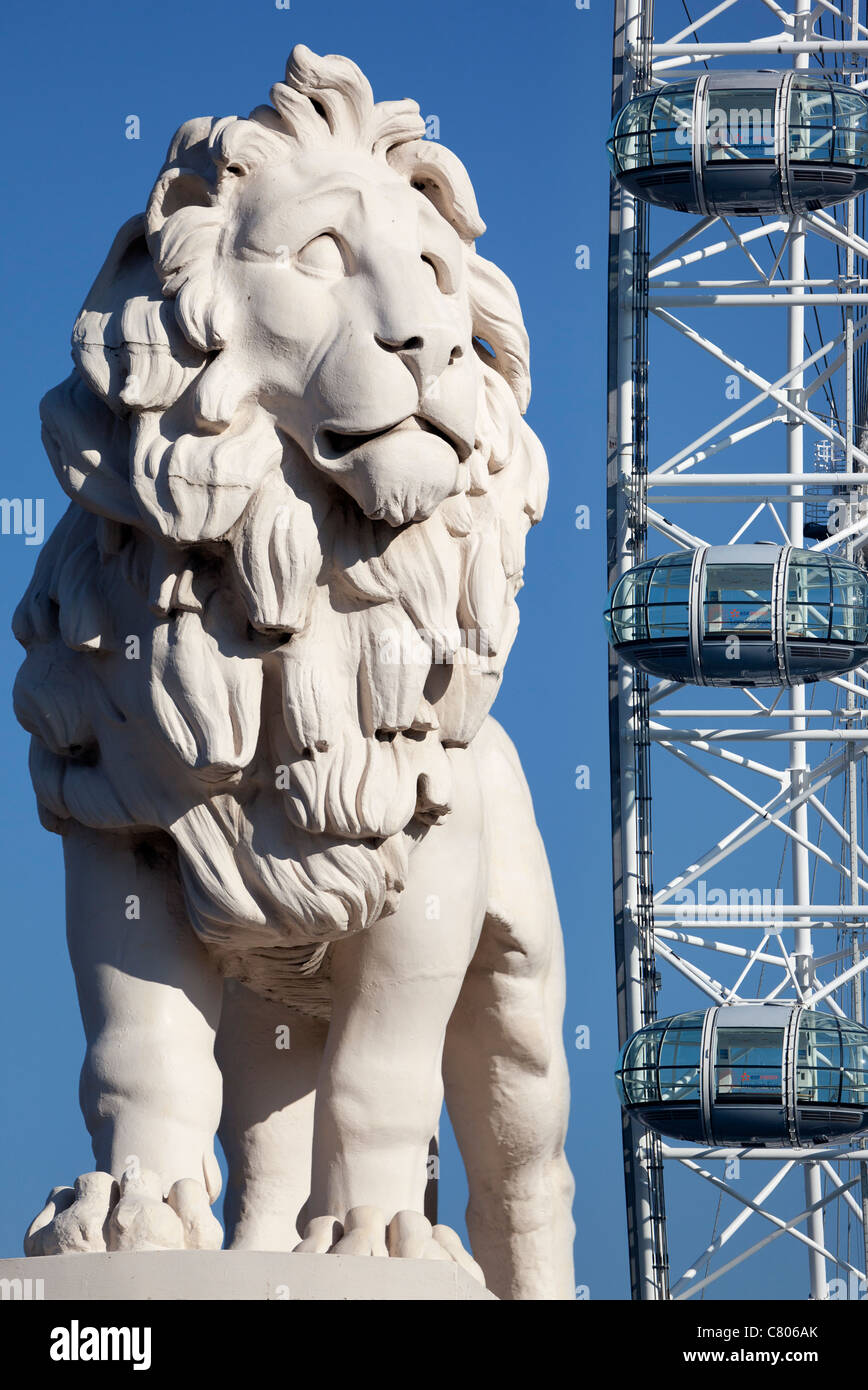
[[305, 885]]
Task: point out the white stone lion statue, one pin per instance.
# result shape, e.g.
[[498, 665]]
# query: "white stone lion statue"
[[306, 893]]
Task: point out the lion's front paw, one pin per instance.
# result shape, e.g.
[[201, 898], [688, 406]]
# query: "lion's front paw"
[[74, 1220], [409, 1236], [99, 1214], [189, 1199], [141, 1220]]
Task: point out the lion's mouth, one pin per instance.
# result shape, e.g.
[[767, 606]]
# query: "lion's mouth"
[[336, 444]]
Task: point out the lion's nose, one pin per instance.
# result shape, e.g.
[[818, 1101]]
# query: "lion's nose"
[[426, 355]]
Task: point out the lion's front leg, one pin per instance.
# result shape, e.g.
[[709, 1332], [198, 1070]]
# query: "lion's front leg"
[[507, 1088], [267, 1123], [150, 1087], [380, 1087]]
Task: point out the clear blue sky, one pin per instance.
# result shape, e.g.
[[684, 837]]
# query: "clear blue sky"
[[522, 96]]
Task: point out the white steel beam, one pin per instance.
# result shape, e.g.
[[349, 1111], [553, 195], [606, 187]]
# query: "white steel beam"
[[757, 1209], [784, 1229]]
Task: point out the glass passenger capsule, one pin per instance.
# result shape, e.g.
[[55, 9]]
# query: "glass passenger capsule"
[[742, 615], [768, 1074], [743, 142]]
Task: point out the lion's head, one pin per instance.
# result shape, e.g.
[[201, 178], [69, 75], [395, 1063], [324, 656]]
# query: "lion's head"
[[301, 485]]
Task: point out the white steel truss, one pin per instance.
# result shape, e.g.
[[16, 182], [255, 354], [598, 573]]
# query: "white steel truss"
[[793, 350]]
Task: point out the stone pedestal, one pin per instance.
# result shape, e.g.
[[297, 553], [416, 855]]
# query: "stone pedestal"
[[234, 1275]]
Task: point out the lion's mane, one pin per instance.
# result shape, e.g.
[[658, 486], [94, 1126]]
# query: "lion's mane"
[[221, 646]]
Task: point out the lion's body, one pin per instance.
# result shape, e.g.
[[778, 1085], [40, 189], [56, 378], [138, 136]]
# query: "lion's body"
[[263, 643]]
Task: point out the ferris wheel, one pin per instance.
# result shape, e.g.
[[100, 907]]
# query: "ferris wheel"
[[737, 501]]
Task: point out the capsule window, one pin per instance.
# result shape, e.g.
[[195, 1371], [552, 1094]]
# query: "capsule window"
[[668, 598], [672, 127], [818, 1060], [678, 1066], [809, 597], [638, 1082], [626, 617], [849, 605], [740, 125], [748, 1064], [851, 146], [854, 1066], [811, 123], [738, 598], [630, 138], [632, 151], [851, 129], [636, 115]]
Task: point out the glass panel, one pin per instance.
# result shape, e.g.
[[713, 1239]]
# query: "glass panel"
[[635, 115], [854, 1081], [639, 1066], [808, 597], [851, 133], [632, 151], [679, 1062], [818, 1064], [748, 1063], [738, 598], [668, 598], [672, 127], [850, 107], [810, 123], [627, 613], [811, 142], [851, 146], [849, 604], [741, 124], [610, 151]]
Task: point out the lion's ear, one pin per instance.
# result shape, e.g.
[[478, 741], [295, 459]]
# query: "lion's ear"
[[183, 225], [125, 343], [174, 190], [440, 175]]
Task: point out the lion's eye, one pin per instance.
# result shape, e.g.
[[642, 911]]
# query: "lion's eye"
[[440, 270], [322, 254]]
